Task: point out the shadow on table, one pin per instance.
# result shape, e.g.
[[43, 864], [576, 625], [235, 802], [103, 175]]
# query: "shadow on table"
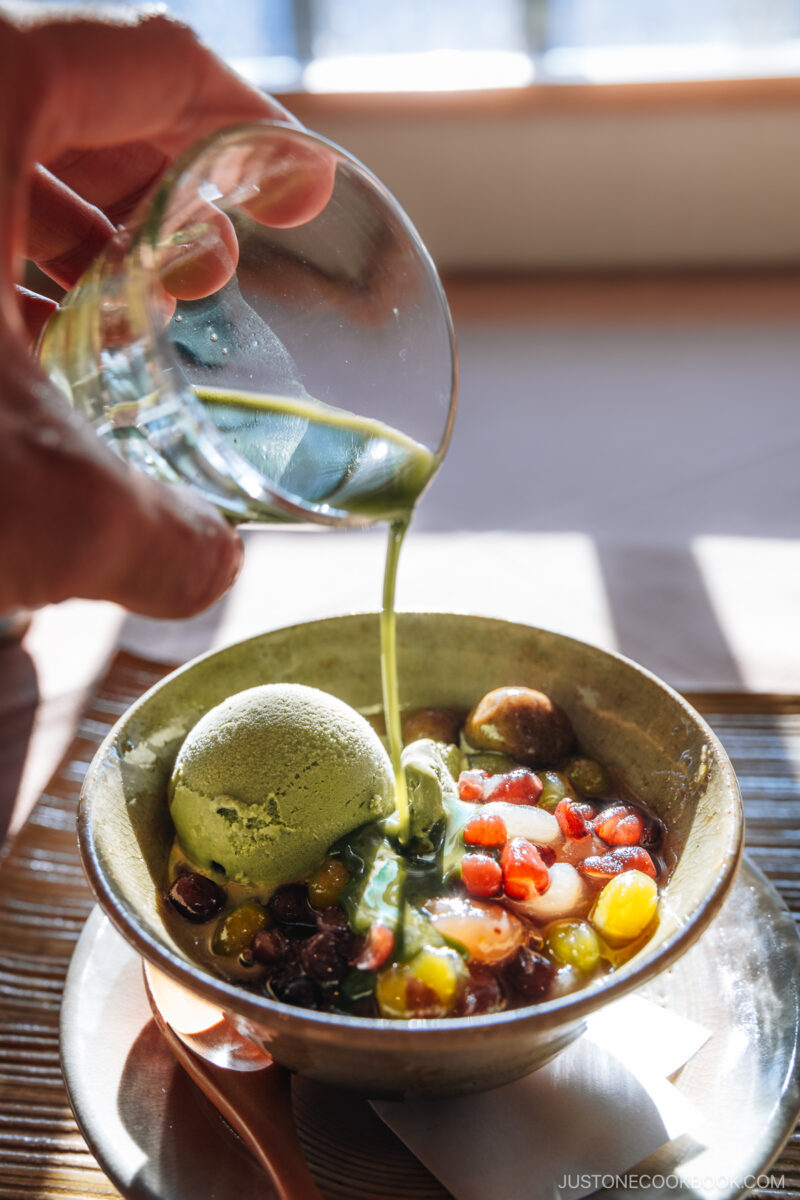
[[663, 616], [655, 595]]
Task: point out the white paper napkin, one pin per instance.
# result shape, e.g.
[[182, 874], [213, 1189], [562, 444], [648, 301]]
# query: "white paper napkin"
[[599, 1108]]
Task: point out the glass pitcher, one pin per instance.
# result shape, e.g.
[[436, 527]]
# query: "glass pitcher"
[[271, 331]]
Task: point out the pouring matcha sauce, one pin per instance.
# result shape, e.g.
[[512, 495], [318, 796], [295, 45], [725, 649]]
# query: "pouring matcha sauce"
[[340, 463], [398, 919]]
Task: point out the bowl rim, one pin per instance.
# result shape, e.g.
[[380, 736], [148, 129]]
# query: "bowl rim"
[[573, 1006]]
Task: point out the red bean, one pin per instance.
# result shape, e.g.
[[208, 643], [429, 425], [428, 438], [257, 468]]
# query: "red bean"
[[529, 973], [196, 897]]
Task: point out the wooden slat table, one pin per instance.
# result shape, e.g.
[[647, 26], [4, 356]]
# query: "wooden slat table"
[[44, 901]]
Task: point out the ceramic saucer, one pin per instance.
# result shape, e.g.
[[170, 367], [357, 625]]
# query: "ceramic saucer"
[[157, 1138]]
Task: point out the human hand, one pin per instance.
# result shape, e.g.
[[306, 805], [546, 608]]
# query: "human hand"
[[93, 110]]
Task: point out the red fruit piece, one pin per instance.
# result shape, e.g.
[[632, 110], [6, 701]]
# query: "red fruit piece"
[[574, 818], [377, 948], [515, 787], [523, 869], [485, 831], [471, 785], [481, 874], [614, 862], [620, 825]]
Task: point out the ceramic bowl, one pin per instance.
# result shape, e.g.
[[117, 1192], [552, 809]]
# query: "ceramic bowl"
[[622, 715]]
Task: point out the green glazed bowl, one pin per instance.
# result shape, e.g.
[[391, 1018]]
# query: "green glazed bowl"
[[622, 715]]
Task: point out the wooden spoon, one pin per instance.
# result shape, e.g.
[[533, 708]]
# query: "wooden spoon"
[[243, 1082]]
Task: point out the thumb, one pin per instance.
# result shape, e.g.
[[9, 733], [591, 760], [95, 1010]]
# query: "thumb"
[[173, 556]]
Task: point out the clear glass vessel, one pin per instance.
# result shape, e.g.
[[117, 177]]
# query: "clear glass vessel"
[[271, 331]]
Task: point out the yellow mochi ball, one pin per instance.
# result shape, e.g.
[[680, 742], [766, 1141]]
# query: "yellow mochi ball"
[[625, 907]]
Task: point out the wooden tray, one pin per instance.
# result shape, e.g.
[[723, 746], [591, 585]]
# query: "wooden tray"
[[44, 902]]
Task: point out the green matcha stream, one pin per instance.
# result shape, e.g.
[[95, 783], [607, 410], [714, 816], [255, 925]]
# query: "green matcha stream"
[[341, 462]]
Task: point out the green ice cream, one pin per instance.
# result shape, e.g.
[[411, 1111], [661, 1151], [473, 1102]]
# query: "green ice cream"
[[270, 778], [428, 779]]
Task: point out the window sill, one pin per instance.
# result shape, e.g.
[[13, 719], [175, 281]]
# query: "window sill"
[[583, 99], [579, 177]]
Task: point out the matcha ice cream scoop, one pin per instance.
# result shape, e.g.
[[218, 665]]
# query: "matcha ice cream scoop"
[[271, 777]]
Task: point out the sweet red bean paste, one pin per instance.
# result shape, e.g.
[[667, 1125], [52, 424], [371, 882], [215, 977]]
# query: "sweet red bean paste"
[[526, 873]]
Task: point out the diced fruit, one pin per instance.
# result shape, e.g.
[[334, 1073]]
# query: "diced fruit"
[[574, 818], [567, 896], [481, 875], [377, 948], [439, 724], [196, 897], [523, 723], [486, 830], [327, 882], [524, 873], [614, 862], [526, 821], [555, 787], [529, 973], [425, 987], [574, 943], [620, 825], [588, 777], [471, 785], [236, 930], [488, 932], [515, 787], [625, 907]]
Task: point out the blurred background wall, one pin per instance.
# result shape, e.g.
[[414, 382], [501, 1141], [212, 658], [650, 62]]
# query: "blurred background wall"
[[612, 191], [550, 134]]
